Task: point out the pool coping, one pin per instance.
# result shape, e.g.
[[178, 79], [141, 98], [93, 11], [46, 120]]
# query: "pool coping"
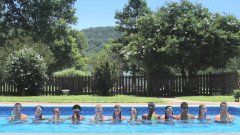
[[110, 105], [106, 105], [120, 134]]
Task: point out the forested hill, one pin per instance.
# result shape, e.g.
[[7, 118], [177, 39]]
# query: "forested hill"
[[97, 36]]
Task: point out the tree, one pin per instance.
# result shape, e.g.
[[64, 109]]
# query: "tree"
[[105, 76], [48, 22], [127, 23], [67, 51], [186, 37], [42, 19]]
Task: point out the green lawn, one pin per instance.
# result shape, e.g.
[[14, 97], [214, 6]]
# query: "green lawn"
[[208, 98], [81, 99]]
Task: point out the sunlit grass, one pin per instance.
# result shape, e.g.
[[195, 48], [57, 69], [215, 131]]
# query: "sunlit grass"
[[81, 99], [208, 98]]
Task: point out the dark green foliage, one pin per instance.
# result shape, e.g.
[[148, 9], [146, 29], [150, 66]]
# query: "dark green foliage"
[[21, 43], [183, 37], [44, 20], [98, 36], [26, 70], [126, 21], [48, 22], [105, 76]]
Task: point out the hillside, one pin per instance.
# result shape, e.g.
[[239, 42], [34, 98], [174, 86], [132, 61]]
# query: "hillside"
[[97, 36]]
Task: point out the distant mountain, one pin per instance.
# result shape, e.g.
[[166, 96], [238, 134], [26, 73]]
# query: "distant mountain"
[[97, 36]]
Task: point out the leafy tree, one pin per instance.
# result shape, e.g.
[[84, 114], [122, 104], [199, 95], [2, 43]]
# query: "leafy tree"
[[186, 37], [26, 70], [48, 22], [67, 53], [106, 54], [127, 23], [128, 17], [42, 19]]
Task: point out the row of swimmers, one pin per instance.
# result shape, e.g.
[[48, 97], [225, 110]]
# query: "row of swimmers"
[[223, 116]]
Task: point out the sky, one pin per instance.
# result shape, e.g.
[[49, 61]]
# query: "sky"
[[100, 13]]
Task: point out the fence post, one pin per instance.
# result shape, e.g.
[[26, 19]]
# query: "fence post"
[[149, 86]]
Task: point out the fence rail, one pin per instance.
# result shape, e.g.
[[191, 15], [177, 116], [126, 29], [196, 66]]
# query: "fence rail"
[[208, 84]]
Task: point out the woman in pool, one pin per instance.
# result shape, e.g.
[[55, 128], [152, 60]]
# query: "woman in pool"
[[117, 114], [224, 116], [202, 113], [16, 113], [56, 116], [134, 115], [99, 114], [76, 117], [168, 114], [184, 113], [151, 115], [38, 113]]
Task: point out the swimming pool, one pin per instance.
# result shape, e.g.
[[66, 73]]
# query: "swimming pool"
[[108, 127]]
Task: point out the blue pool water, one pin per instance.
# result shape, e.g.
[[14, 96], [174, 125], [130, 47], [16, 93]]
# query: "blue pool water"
[[109, 127]]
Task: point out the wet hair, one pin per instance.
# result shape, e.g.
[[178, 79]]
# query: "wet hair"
[[166, 117], [120, 114], [41, 108], [199, 109], [151, 104], [56, 108], [184, 104], [76, 106], [18, 104], [136, 111], [223, 103], [184, 116]]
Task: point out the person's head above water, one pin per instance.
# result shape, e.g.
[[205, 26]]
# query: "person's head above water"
[[117, 112], [151, 107], [56, 112], [168, 112], [223, 107], [76, 108], [134, 113], [202, 110], [17, 108], [38, 111], [117, 109], [98, 109], [184, 107]]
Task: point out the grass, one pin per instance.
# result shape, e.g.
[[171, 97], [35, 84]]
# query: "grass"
[[81, 99], [208, 98]]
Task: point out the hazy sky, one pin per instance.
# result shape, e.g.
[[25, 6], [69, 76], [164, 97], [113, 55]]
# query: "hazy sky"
[[94, 13]]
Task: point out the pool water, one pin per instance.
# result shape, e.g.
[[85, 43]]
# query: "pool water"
[[87, 126]]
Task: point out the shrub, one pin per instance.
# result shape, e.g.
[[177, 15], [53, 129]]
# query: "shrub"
[[104, 78], [26, 70], [71, 72], [237, 93]]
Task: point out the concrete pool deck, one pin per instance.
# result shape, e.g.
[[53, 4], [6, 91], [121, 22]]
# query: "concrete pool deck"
[[167, 101]]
